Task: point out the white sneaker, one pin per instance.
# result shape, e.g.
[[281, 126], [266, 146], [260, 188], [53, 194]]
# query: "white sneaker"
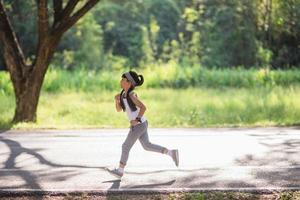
[[175, 157], [116, 173]]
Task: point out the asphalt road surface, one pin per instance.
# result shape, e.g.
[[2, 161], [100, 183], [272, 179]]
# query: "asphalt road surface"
[[210, 159]]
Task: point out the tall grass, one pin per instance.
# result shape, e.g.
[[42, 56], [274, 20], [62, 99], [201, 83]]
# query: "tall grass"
[[175, 76], [58, 80], [166, 76], [175, 97], [191, 107], [217, 107], [5, 84], [172, 76], [7, 105]]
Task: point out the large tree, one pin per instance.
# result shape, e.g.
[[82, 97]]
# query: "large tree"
[[27, 78]]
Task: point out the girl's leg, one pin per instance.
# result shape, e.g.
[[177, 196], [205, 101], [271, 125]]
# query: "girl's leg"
[[132, 137], [127, 145], [140, 132], [148, 146]]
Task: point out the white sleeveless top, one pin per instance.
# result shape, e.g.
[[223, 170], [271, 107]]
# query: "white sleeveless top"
[[132, 114]]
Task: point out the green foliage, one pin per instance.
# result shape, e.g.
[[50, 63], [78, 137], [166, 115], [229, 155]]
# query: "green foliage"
[[166, 14], [7, 107], [286, 33], [194, 196], [229, 32], [23, 16], [264, 56], [123, 34], [5, 84], [211, 33], [289, 195], [82, 46], [80, 80], [175, 76], [89, 33]]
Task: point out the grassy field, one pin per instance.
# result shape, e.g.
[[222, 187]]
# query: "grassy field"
[[191, 107], [175, 97]]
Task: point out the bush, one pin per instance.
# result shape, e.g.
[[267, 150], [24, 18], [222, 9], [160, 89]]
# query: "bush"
[[168, 75], [5, 83], [175, 76]]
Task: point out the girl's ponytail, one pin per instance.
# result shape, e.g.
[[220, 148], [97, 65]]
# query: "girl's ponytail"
[[138, 79], [141, 80]]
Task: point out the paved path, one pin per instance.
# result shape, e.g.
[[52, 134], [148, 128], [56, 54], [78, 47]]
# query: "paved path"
[[210, 159]]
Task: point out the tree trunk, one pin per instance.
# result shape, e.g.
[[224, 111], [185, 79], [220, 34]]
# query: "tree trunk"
[[27, 90], [26, 104], [28, 79]]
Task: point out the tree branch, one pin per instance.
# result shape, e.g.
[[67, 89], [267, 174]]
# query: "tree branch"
[[58, 7], [43, 30], [13, 54], [69, 8], [61, 14], [43, 21], [70, 21]]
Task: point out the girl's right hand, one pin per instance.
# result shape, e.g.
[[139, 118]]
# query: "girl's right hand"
[[117, 97], [134, 122]]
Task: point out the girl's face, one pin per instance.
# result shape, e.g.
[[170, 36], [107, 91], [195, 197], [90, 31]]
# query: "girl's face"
[[125, 84]]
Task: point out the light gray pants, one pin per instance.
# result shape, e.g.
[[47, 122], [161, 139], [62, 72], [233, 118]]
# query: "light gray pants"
[[140, 132]]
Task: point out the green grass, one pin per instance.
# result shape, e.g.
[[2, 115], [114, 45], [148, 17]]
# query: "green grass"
[[175, 97], [162, 76], [7, 103], [191, 107], [170, 76]]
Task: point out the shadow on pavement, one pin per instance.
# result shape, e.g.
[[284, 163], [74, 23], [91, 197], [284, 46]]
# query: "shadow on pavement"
[[154, 185], [282, 157], [2, 131], [115, 184], [279, 166], [30, 179]]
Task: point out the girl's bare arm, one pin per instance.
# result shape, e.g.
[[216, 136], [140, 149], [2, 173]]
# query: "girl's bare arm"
[[138, 103], [117, 103]]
